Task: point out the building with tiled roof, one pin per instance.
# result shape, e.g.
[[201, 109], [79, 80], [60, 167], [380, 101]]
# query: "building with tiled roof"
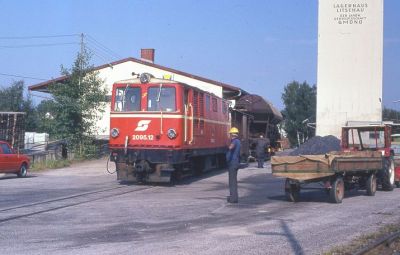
[[125, 68]]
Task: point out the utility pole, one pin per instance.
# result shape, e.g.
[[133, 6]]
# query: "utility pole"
[[80, 59], [82, 37]]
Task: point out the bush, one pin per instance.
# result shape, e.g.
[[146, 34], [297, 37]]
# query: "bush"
[[50, 164]]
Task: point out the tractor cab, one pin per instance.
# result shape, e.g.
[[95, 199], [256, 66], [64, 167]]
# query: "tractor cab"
[[374, 137]]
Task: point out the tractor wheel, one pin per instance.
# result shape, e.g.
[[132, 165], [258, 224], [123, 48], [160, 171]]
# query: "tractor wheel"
[[336, 193], [292, 190], [371, 185], [388, 174]]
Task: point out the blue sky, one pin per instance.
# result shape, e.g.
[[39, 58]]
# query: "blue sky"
[[259, 46]]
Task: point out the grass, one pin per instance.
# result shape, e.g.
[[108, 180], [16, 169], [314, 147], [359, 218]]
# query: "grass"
[[363, 240], [50, 164]]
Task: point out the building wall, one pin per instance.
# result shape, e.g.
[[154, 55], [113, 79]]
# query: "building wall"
[[350, 47], [124, 71]]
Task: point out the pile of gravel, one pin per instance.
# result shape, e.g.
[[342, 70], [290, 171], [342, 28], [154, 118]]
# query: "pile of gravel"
[[318, 145]]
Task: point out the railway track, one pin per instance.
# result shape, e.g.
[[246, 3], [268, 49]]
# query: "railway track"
[[31, 209], [380, 246]]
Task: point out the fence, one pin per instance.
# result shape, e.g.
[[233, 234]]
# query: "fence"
[[12, 128]]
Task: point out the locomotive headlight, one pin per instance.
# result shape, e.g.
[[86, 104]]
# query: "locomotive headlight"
[[114, 132], [145, 77], [171, 133]]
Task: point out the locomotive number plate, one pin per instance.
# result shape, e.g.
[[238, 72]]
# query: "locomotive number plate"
[[143, 137]]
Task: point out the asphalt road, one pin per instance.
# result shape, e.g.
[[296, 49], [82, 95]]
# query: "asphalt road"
[[84, 210]]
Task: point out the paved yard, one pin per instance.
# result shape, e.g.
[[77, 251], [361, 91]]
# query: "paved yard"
[[84, 210]]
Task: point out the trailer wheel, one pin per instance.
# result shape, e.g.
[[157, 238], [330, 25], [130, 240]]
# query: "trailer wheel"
[[388, 175], [292, 190], [336, 193], [371, 185]]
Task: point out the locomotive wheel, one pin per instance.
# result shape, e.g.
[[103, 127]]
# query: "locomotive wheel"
[[198, 164], [221, 161], [292, 191], [388, 175], [371, 185], [177, 175], [336, 193]]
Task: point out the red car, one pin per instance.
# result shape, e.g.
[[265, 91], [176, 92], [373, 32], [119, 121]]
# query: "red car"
[[11, 161]]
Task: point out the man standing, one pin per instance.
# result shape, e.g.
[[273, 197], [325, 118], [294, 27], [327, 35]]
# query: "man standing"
[[261, 146], [232, 158]]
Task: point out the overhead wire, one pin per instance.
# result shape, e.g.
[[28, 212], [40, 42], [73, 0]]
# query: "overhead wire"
[[95, 51], [100, 45], [22, 76], [37, 45], [98, 49], [48, 98], [35, 37], [97, 54]]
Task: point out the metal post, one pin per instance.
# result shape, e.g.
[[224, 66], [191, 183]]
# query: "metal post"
[[397, 101]]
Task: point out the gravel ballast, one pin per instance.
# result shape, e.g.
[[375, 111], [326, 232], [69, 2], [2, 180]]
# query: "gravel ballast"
[[318, 145]]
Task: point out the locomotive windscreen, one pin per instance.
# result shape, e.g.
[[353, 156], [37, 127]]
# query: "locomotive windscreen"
[[161, 99], [127, 99]]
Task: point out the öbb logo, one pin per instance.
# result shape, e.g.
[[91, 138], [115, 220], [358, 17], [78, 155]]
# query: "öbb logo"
[[143, 125]]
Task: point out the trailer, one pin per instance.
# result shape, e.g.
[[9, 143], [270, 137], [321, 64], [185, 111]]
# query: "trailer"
[[397, 171], [365, 161], [395, 146]]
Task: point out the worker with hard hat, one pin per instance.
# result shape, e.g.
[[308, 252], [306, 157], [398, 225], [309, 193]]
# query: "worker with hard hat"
[[233, 160]]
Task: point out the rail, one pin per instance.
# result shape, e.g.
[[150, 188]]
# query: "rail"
[[31, 209], [381, 242]]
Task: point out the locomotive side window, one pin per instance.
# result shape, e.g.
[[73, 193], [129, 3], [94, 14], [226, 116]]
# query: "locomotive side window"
[[161, 99], [224, 107], [201, 108], [214, 104], [207, 103], [127, 99]]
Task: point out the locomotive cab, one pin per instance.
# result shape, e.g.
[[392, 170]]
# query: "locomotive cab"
[[157, 129]]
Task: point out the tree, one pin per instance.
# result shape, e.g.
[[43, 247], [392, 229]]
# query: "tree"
[[390, 115], [12, 100], [300, 109], [78, 102], [45, 115]]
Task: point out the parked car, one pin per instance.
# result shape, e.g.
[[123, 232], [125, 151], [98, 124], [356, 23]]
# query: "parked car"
[[12, 162]]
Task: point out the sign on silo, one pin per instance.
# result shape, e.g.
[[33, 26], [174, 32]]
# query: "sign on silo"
[[350, 48]]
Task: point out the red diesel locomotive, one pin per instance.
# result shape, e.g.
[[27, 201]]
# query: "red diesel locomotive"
[[161, 129]]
